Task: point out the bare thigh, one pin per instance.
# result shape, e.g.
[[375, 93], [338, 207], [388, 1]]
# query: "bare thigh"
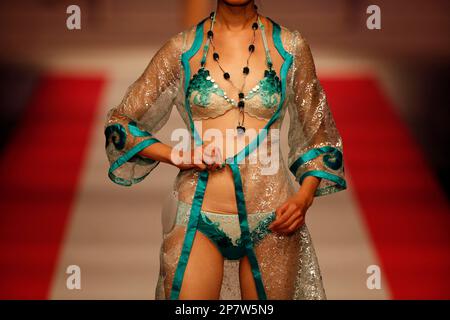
[[204, 271], [246, 281]]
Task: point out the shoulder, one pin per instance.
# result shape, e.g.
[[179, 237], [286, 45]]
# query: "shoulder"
[[169, 52], [296, 42], [180, 41], [293, 39], [174, 42]]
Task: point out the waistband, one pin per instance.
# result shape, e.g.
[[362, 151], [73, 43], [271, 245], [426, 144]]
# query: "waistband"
[[184, 211]]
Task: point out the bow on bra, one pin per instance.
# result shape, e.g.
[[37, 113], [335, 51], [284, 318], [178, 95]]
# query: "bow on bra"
[[208, 99]]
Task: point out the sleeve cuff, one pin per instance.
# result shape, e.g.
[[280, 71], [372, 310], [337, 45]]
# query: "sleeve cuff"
[[325, 163], [126, 166]]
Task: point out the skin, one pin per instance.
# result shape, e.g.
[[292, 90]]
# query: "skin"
[[203, 281]]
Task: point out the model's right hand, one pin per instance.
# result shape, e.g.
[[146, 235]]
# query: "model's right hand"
[[204, 157]]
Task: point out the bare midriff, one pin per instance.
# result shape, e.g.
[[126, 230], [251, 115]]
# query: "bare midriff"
[[220, 193]]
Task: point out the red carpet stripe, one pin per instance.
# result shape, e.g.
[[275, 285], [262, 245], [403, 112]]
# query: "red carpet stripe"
[[406, 211], [39, 171]]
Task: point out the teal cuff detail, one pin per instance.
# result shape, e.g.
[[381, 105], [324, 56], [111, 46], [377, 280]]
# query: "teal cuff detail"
[[127, 157], [125, 182], [135, 131], [116, 134], [332, 159], [340, 183]]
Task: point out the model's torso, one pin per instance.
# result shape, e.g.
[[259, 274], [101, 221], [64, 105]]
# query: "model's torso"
[[210, 94]]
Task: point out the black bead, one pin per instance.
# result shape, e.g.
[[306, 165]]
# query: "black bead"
[[251, 48], [241, 104], [211, 15], [270, 65], [254, 26], [246, 70], [255, 6], [240, 129], [226, 75], [215, 56], [210, 34], [241, 95]]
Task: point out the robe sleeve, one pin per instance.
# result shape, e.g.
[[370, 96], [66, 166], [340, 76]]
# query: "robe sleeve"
[[315, 145], [131, 126]]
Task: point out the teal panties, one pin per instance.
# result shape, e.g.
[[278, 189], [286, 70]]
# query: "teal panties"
[[224, 229]]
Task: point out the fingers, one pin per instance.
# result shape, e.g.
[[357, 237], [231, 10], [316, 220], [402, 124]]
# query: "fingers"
[[207, 157], [293, 227], [210, 167], [212, 157], [217, 154], [293, 216], [202, 159], [215, 167], [283, 217], [280, 210], [289, 218], [286, 215]]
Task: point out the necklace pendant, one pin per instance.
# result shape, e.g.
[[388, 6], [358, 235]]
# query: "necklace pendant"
[[240, 130]]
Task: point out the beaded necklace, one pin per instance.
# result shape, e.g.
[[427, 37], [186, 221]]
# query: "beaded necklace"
[[246, 70]]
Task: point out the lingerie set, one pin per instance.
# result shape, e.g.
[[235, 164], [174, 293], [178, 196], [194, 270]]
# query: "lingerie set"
[[283, 266]]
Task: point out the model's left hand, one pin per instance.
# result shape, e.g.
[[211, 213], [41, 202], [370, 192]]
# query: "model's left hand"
[[291, 215]]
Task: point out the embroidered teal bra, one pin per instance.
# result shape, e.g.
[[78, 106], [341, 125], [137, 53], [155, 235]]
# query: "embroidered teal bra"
[[261, 101]]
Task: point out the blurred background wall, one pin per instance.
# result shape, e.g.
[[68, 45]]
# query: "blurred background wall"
[[58, 208]]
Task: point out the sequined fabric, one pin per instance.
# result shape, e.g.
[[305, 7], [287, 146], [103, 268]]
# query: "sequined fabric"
[[311, 123], [288, 264]]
